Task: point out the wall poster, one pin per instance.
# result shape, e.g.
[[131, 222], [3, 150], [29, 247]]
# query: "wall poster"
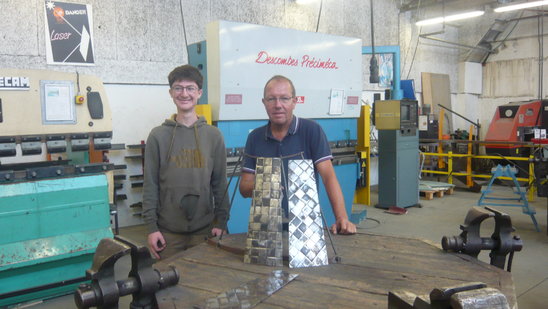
[[69, 33], [386, 70]]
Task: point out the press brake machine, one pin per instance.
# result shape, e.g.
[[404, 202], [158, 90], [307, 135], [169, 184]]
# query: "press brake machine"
[[54, 196], [238, 58]]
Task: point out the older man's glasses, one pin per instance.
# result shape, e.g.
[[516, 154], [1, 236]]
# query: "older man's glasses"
[[283, 100], [189, 89]]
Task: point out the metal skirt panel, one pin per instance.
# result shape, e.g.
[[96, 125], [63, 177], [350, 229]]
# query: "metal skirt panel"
[[307, 245], [264, 236]]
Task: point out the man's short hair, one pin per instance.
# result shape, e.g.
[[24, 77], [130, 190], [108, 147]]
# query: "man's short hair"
[[186, 72], [277, 78]]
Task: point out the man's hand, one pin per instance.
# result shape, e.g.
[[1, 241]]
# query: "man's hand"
[[156, 243], [217, 232], [343, 226], [247, 182]]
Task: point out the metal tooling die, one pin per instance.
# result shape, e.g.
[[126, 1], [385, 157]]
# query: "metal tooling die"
[[264, 237], [306, 238]]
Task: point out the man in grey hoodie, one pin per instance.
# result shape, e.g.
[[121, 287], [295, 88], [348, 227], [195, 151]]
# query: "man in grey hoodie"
[[185, 173]]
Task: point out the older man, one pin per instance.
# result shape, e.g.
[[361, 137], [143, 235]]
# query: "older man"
[[290, 137]]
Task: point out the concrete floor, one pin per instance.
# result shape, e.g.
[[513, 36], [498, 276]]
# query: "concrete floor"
[[436, 218]]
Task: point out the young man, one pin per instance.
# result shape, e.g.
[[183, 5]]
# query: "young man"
[[184, 173], [290, 137]]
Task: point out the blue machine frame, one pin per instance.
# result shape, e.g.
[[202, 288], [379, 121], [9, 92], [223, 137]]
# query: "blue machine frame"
[[235, 133]]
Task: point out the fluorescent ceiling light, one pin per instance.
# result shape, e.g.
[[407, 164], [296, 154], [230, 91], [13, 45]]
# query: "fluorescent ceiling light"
[[520, 6], [454, 17]]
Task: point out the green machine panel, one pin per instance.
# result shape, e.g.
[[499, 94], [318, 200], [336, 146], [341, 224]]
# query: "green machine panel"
[[50, 229]]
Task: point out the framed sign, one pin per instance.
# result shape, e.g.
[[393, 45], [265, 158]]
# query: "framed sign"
[[336, 101], [57, 102], [69, 33]]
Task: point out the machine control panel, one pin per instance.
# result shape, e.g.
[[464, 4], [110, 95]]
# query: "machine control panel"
[[396, 115], [45, 112]]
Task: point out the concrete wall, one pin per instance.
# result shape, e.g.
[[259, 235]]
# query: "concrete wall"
[[512, 73]]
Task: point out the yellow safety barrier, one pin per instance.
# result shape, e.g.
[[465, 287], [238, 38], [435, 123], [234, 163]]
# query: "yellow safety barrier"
[[450, 173]]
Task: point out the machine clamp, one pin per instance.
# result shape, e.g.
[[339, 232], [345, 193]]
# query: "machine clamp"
[[501, 242], [143, 280]]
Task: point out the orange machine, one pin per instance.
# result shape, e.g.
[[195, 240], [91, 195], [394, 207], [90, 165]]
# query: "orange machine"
[[514, 122]]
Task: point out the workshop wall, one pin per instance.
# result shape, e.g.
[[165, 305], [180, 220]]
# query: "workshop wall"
[[140, 43], [511, 74], [137, 43], [422, 55]]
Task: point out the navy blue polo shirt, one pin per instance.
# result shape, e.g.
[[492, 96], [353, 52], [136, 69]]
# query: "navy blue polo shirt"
[[305, 139]]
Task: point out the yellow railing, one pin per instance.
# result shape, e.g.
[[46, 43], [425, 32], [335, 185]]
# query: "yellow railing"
[[469, 175]]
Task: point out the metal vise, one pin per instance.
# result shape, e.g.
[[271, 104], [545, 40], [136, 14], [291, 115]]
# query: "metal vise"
[[501, 242], [143, 280], [466, 296]]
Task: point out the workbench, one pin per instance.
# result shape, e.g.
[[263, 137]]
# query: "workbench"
[[371, 266]]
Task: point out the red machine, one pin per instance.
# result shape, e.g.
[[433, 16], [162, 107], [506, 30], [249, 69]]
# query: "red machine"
[[515, 122]]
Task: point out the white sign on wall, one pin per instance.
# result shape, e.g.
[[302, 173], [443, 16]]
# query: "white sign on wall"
[[241, 58]]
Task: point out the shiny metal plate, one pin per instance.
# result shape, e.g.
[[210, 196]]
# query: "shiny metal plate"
[[307, 245], [251, 293]]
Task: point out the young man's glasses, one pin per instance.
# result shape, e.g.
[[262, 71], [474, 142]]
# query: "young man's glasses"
[[273, 100], [189, 89]]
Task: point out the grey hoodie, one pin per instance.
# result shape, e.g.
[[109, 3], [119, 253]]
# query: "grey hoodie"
[[185, 178]]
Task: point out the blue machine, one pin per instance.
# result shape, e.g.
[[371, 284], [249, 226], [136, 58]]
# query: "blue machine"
[[235, 87]]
